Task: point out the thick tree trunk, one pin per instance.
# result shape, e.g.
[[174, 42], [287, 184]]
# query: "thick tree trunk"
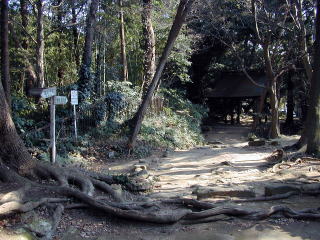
[[5, 74], [12, 151], [183, 9], [85, 83], [40, 45], [149, 63], [313, 119], [124, 61]]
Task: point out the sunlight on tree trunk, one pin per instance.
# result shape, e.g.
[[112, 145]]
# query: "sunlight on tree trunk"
[[149, 63], [182, 11], [124, 61], [40, 45], [85, 81]]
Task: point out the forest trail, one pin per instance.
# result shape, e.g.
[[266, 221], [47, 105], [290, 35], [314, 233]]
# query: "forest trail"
[[225, 160], [228, 162], [226, 150]]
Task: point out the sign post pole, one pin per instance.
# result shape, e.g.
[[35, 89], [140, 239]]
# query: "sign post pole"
[[74, 102], [54, 100], [75, 123], [52, 130]]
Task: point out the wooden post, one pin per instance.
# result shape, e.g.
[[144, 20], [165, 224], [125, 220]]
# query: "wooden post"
[[52, 130], [75, 123]]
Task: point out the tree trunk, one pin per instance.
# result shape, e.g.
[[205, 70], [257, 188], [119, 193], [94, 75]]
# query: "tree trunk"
[[97, 80], [149, 63], [85, 81], [273, 90], [302, 38], [306, 64], [5, 74], [183, 9], [75, 34], [40, 45], [124, 61], [24, 21], [12, 152], [30, 75], [274, 102], [313, 119], [61, 70]]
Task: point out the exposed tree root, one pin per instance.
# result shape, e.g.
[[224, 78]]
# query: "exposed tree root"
[[57, 215], [12, 207], [293, 161], [268, 198], [78, 189], [191, 203]]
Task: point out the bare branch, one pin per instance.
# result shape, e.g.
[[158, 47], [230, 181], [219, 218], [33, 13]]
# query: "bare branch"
[[254, 12]]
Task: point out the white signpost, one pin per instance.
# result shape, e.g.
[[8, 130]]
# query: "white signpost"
[[74, 102], [55, 100], [48, 92], [43, 92], [74, 97], [60, 100]]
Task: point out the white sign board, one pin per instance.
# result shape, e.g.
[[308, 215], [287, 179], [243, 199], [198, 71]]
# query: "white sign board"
[[74, 97], [48, 92], [60, 100]]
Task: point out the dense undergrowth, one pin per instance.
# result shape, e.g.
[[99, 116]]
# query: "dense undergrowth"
[[174, 124]]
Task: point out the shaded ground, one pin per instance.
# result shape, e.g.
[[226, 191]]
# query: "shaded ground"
[[227, 162]]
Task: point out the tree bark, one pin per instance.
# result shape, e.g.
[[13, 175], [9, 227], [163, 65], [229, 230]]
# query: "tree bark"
[[99, 63], [313, 118], [273, 90], [302, 38], [12, 151], [182, 11], [272, 79], [5, 74], [75, 34], [24, 21], [124, 61], [306, 63], [40, 45], [30, 75], [61, 70], [84, 82], [149, 62]]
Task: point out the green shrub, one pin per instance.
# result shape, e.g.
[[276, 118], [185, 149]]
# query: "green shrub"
[[178, 126]]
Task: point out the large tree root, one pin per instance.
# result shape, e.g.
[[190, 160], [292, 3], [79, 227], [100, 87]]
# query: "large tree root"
[[79, 190]]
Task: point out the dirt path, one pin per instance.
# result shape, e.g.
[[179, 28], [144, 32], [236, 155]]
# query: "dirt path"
[[226, 162]]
